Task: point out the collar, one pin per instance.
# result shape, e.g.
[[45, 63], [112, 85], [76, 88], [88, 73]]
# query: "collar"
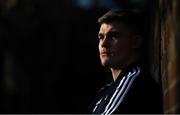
[[126, 70]]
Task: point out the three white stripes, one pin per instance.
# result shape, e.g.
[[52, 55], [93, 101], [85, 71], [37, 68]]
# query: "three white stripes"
[[118, 96]]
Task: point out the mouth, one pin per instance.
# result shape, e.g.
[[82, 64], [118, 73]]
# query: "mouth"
[[106, 54]]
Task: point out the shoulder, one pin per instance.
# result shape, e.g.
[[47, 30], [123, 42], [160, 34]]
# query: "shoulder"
[[144, 96]]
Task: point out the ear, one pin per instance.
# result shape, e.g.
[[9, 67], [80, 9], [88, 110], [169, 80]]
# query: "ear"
[[137, 41]]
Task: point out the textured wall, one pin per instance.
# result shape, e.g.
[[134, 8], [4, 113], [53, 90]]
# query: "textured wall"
[[164, 49], [168, 21]]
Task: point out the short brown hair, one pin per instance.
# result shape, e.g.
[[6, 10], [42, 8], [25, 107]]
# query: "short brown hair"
[[132, 18]]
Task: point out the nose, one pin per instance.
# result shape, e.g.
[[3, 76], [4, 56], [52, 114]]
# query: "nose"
[[105, 42]]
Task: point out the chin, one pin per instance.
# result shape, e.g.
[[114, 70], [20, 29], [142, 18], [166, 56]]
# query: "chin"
[[106, 63]]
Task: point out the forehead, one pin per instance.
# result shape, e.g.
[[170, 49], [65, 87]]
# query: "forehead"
[[113, 26]]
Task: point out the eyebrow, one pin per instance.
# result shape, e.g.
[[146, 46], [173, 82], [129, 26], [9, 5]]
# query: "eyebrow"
[[110, 32]]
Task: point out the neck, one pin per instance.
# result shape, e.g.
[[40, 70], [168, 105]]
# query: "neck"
[[117, 70], [115, 73]]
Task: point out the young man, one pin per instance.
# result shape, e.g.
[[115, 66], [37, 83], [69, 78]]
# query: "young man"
[[133, 90]]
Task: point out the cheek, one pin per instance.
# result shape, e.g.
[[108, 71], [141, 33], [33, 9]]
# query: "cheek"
[[99, 46], [122, 48]]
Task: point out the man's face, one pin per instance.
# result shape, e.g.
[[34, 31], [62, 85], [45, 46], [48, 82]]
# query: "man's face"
[[115, 44]]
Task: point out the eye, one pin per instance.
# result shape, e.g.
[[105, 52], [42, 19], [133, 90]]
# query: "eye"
[[114, 38], [100, 36], [114, 35]]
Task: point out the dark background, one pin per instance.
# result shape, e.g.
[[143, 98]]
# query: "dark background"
[[49, 54]]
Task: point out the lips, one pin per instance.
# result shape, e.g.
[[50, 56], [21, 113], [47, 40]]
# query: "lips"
[[106, 53]]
